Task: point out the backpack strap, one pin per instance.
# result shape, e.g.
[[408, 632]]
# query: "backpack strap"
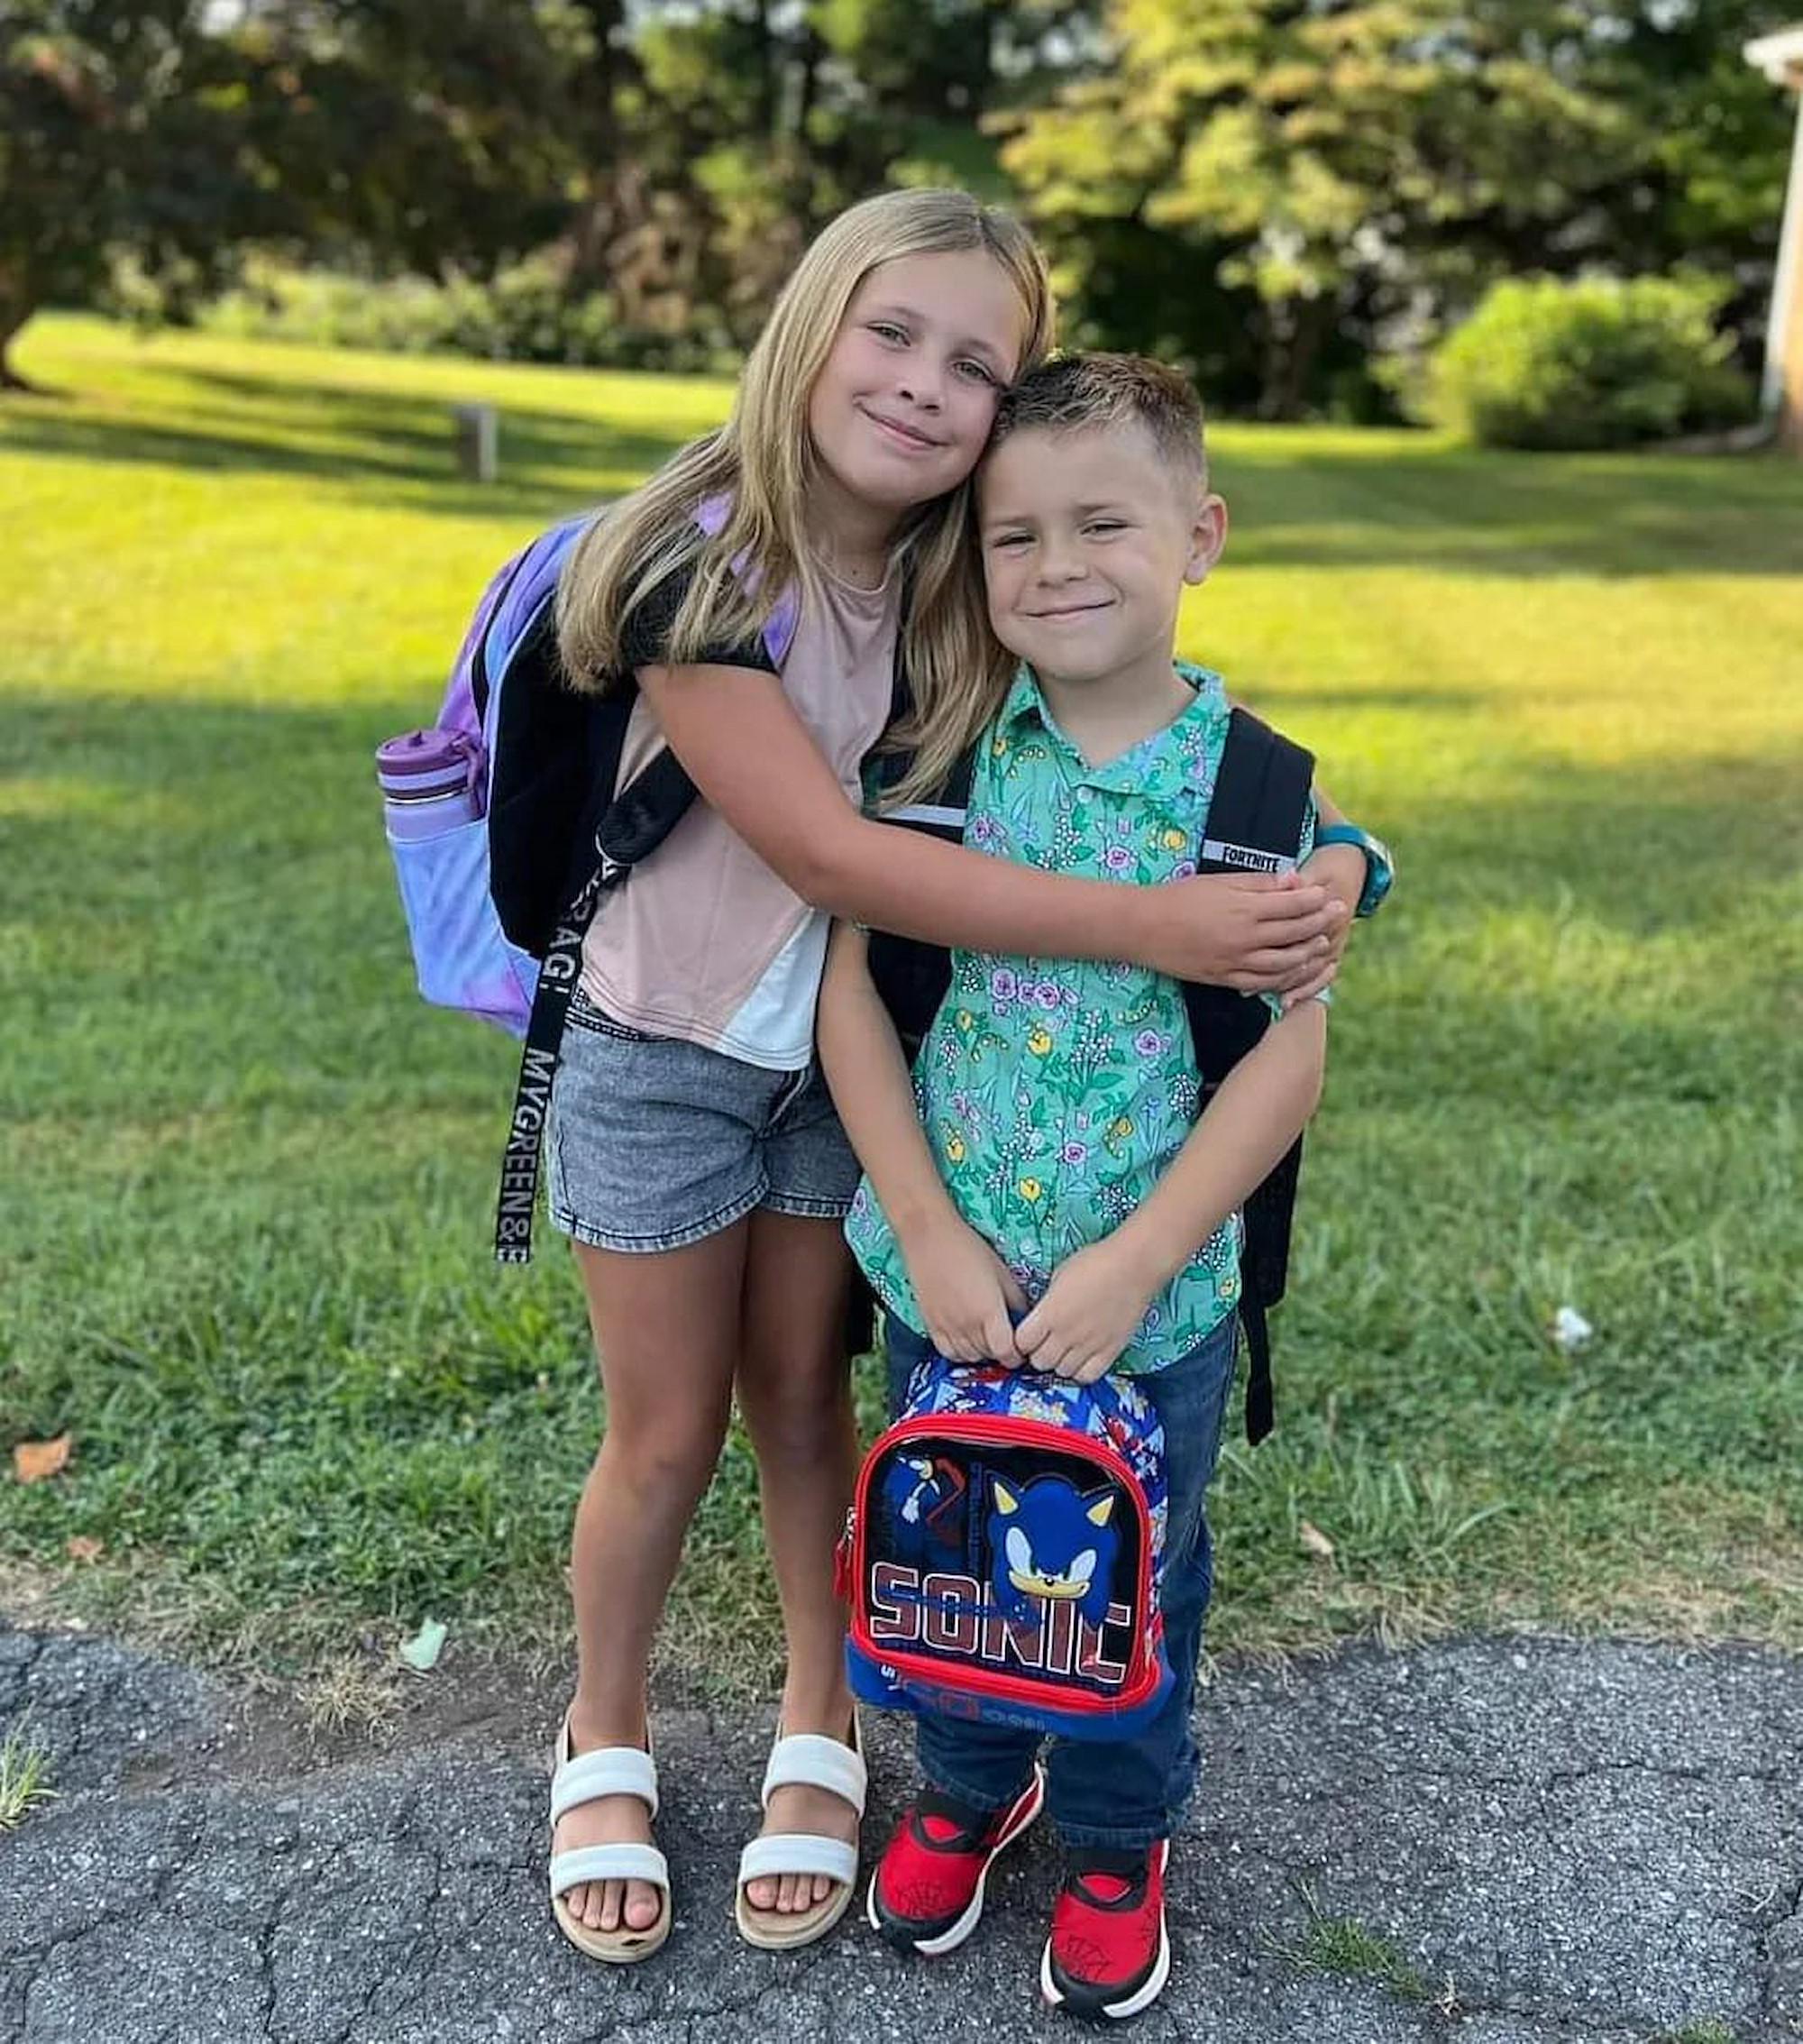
[[910, 975], [630, 828], [1255, 822], [619, 828]]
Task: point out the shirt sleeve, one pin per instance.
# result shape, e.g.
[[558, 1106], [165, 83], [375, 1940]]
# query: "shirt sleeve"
[[647, 632]]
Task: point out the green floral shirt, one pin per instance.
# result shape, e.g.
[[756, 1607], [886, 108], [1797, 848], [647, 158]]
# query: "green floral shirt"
[[1055, 1093]]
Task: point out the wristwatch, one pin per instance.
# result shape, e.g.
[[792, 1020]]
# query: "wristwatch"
[[1380, 868]]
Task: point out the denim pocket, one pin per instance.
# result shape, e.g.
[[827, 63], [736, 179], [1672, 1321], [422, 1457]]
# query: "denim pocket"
[[460, 957]]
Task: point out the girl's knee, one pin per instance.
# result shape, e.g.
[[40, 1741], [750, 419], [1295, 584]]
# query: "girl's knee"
[[798, 1421], [665, 1452]]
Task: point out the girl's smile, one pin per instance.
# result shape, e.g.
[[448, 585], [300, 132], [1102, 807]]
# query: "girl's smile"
[[903, 404]]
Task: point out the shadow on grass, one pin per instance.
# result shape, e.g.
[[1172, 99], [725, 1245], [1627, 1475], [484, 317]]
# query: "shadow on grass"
[[1635, 849], [287, 427], [1386, 504], [1316, 500]]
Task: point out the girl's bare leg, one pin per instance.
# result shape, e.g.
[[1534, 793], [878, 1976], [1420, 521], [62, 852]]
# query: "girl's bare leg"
[[794, 1394], [667, 1330]]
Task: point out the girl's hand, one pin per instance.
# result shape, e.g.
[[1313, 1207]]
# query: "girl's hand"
[[1257, 932], [967, 1295], [1340, 869], [1091, 1309]]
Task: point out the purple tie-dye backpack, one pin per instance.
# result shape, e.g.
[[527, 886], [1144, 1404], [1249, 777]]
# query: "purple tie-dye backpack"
[[498, 901], [463, 957]]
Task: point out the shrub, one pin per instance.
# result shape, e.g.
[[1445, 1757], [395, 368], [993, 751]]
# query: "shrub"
[[1592, 362], [523, 315]]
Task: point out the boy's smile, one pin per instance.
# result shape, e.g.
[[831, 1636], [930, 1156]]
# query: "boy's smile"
[[1089, 537]]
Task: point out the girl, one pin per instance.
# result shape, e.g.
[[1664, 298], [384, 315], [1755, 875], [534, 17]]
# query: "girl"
[[694, 1156]]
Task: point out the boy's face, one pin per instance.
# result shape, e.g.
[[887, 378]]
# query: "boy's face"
[[1089, 537]]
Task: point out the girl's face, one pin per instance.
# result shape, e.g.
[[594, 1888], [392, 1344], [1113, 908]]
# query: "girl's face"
[[903, 404]]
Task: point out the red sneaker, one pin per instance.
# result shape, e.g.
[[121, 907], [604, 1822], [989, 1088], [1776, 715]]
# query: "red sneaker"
[[926, 1893], [1109, 1953]]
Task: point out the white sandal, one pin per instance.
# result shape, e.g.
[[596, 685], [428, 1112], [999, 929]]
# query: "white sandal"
[[807, 1760], [576, 1778]]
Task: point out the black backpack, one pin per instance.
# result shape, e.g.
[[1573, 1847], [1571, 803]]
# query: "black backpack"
[[1254, 824]]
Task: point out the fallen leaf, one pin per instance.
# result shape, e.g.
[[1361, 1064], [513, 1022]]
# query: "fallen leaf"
[[422, 1651], [1315, 1541], [33, 1460], [85, 1547]]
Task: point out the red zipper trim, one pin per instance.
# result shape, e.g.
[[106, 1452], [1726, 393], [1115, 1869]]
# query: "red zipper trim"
[[987, 1427]]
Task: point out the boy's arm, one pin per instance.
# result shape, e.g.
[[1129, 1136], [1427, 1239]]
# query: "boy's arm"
[[1340, 868], [964, 1290], [1098, 1297]]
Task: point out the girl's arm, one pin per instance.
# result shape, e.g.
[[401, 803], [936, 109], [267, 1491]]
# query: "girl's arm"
[[964, 1290], [1097, 1297], [752, 758]]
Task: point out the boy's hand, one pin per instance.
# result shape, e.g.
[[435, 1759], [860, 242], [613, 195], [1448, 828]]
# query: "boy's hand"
[[967, 1295], [1092, 1307]]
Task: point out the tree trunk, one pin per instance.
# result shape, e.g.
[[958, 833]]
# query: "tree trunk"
[[14, 314], [1295, 329]]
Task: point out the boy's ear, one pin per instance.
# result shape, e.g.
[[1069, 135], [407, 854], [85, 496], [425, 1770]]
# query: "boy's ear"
[[1208, 536]]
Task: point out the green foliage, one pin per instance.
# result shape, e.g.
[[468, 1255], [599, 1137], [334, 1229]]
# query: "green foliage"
[[1597, 362], [24, 1774], [1335, 180], [524, 314], [1341, 1944]]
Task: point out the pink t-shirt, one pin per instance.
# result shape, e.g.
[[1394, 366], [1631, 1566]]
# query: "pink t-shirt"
[[704, 941]]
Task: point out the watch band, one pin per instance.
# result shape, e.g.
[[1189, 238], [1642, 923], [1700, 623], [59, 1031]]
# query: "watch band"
[[1379, 868]]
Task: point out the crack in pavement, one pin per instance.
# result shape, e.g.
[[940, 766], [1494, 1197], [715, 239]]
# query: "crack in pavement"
[[1601, 1888]]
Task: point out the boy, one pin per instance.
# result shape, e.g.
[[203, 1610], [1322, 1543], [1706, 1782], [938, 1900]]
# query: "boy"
[[1052, 1171]]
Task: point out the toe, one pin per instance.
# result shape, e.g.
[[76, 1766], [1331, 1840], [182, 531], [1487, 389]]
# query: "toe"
[[642, 1905], [761, 1893]]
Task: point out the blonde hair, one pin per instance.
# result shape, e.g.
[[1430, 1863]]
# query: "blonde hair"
[[762, 461], [1076, 393]]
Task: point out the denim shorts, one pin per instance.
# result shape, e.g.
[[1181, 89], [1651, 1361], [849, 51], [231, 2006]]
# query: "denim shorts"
[[656, 1143]]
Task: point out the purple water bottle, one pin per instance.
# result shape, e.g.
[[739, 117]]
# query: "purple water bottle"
[[430, 783]]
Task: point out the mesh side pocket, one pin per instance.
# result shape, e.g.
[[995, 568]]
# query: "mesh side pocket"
[[461, 958]]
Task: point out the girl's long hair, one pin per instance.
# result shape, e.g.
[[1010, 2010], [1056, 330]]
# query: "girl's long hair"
[[762, 461]]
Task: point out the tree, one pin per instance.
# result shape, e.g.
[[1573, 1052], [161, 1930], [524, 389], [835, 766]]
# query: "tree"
[[1361, 169], [118, 123], [1315, 159], [177, 130]]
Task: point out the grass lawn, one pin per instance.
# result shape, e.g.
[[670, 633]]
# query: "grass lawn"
[[245, 1176]]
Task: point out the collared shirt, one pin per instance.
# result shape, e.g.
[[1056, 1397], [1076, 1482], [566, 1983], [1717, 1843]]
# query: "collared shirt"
[[1055, 1093]]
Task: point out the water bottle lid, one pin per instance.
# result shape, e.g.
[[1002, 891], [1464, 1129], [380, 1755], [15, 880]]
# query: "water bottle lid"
[[430, 751]]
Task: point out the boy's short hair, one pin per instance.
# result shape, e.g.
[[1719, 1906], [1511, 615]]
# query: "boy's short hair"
[[1072, 393]]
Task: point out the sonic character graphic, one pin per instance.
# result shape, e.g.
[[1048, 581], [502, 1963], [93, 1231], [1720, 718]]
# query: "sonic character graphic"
[[923, 1499], [1050, 1543]]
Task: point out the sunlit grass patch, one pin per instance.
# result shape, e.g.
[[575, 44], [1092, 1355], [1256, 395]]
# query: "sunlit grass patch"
[[246, 1177]]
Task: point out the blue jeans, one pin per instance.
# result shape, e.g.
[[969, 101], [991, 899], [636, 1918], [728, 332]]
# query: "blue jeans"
[[1130, 1791]]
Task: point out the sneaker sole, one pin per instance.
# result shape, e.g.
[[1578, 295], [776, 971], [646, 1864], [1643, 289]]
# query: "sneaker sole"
[[948, 1940], [1089, 2003]]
